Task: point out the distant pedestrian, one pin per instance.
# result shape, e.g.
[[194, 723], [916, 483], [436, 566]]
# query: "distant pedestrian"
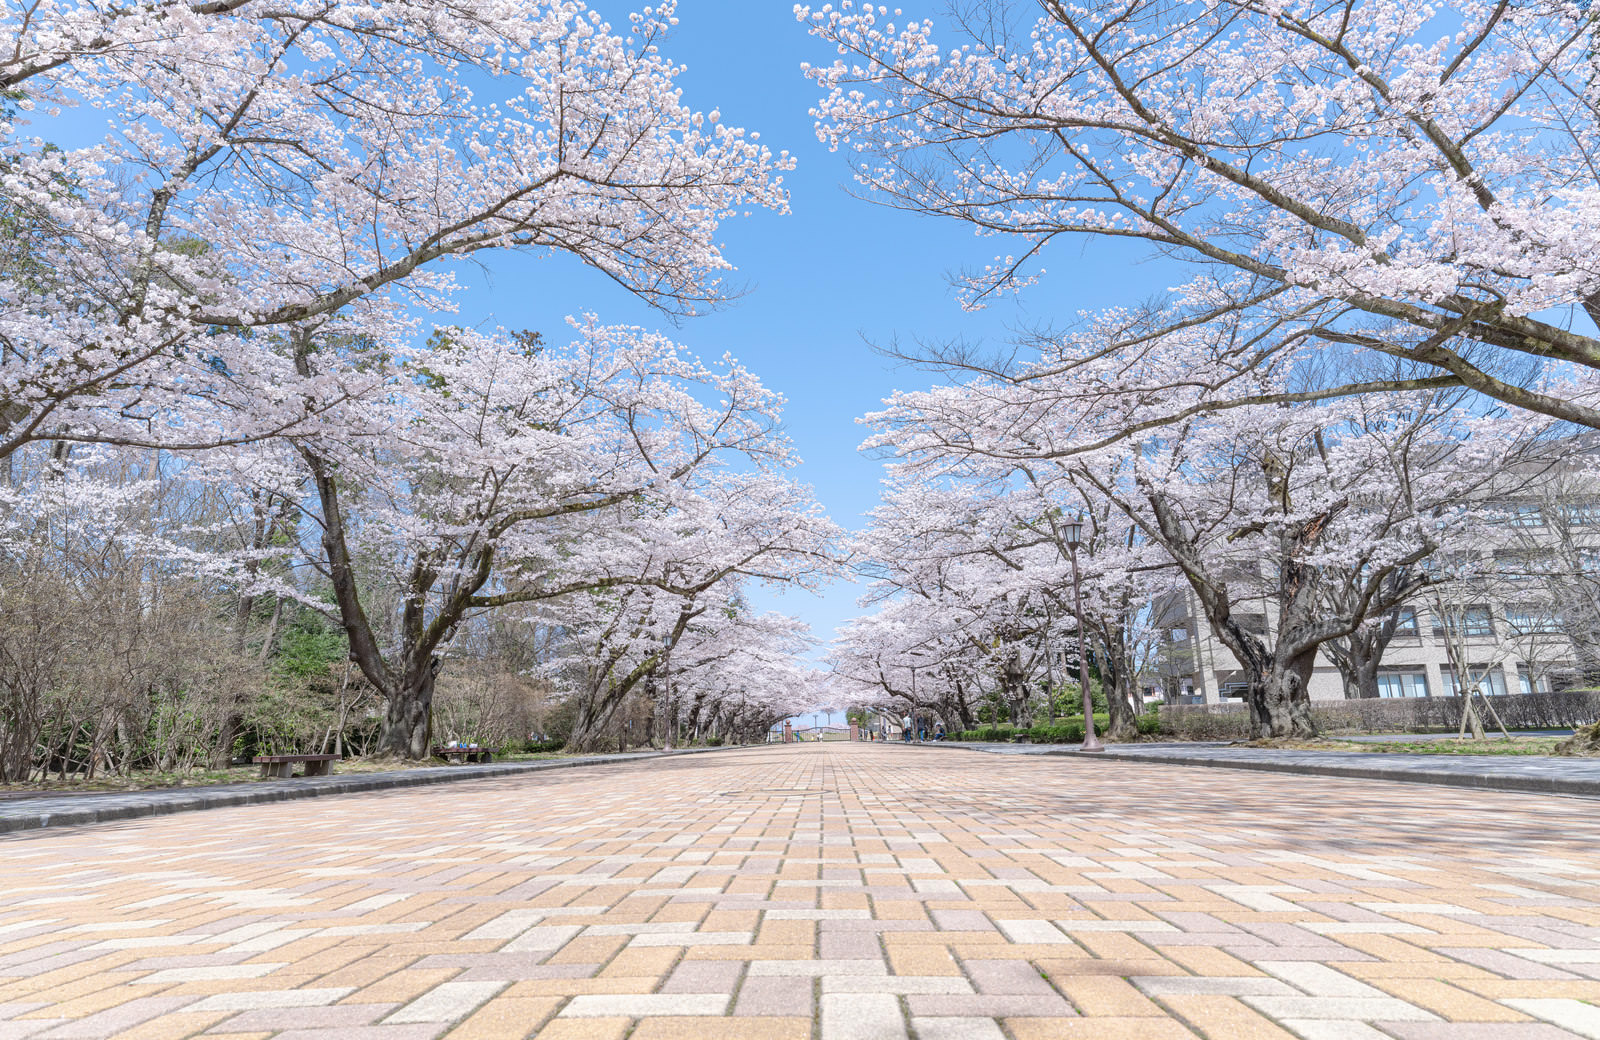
[[905, 729]]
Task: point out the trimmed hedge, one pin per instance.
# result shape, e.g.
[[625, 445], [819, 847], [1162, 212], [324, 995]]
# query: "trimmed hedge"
[[1231, 721], [1066, 731]]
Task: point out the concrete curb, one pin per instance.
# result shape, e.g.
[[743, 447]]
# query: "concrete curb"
[[1414, 775], [1538, 776], [34, 813]]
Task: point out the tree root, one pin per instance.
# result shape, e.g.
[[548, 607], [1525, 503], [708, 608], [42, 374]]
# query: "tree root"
[[1584, 743]]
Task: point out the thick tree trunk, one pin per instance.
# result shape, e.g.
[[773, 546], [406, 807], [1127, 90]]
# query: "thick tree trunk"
[[590, 730], [1118, 679], [20, 726], [1358, 655], [963, 710], [1122, 724], [408, 714], [1358, 673], [1280, 699], [1367, 678], [1013, 679]]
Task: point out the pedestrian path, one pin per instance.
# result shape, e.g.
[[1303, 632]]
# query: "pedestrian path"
[[29, 812], [819, 892], [1535, 773]]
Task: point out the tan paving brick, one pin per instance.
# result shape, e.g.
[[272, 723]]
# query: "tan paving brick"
[[688, 1028], [1098, 1029], [1219, 1017], [1106, 995], [586, 1029], [910, 882], [506, 1018], [174, 1027], [1447, 1001], [589, 949], [792, 933], [922, 961], [567, 987], [642, 963], [401, 986], [1206, 960]]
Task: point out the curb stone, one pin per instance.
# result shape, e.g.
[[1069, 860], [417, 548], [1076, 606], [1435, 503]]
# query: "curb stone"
[[1449, 774], [1532, 774], [68, 810]]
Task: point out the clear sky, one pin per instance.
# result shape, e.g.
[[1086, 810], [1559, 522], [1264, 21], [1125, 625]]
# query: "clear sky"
[[825, 281]]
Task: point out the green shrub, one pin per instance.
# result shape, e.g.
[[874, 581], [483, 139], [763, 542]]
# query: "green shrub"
[[1149, 724], [1068, 730], [713, 742]]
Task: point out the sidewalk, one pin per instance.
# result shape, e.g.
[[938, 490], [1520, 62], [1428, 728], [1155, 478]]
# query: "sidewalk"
[[1536, 773], [819, 891], [31, 812]]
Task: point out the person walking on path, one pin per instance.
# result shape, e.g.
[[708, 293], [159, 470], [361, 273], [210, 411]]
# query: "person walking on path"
[[905, 729]]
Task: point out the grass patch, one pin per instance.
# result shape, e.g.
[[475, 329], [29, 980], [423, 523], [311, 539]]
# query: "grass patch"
[[1450, 746], [150, 780]]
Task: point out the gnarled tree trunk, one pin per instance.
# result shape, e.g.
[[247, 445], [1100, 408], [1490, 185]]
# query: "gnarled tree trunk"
[[407, 728]]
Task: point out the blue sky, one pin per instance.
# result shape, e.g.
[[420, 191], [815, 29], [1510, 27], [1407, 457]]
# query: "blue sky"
[[834, 275]]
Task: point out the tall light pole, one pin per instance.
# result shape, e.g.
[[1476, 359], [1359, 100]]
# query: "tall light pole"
[[1074, 536], [670, 724], [915, 655]]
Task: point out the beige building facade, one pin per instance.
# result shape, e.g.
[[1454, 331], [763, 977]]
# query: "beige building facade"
[[1521, 617]]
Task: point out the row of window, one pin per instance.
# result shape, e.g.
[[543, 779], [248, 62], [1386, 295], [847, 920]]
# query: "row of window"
[[1490, 680], [1585, 514], [1475, 622], [1472, 622]]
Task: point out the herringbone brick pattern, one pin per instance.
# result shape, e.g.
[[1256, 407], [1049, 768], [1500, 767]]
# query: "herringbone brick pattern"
[[838, 892]]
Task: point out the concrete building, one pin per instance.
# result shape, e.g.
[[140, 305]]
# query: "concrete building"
[[1521, 616]]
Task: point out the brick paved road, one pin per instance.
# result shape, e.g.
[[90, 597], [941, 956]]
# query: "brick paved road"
[[847, 892]]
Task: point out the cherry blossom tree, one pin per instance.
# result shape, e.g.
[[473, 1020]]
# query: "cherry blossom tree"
[[277, 175], [734, 673], [1378, 175], [1291, 504], [673, 604], [494, 471], [973, 584]]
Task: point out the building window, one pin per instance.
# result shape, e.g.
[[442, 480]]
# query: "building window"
[[1529, 621], [1471, 622], [1402, 684], [1405, 622], [1584, 514], [1491, 681], [1530, 682], [1255, 624], [1238, 690], [1526, 516]]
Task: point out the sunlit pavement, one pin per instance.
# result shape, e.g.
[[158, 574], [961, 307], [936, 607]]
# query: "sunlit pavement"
[[848, 892]]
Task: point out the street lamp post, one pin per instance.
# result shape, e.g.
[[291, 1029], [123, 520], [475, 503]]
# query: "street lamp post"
[[916, 655], [1074, 535], [670, 724]]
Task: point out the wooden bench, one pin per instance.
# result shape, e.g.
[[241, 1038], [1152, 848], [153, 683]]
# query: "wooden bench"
[[457, 755], [283, 765]]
